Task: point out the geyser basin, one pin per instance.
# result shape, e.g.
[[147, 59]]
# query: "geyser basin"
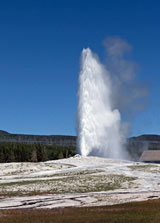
[[99, 129]]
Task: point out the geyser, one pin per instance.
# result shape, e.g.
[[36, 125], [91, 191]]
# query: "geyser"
[[99, 128]]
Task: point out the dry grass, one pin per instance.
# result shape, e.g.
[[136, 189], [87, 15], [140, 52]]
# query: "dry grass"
[[145, 168], [141, 167], [139, 212], [80, 183]]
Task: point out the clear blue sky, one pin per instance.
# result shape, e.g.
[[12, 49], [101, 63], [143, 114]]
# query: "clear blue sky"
[[40, 46]]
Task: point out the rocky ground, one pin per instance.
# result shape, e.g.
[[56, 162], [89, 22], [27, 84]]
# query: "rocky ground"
[[77, 181]]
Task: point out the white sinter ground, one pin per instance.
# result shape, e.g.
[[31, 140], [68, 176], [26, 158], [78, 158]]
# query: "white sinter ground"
[[77, 181]]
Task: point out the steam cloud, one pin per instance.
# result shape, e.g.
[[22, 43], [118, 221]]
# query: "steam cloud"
[[105, 91], [128, 94]]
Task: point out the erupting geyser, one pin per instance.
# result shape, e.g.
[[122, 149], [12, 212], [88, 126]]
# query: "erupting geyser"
[[99, 129]]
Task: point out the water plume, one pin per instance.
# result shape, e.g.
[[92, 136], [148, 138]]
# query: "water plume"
[[99, 127]]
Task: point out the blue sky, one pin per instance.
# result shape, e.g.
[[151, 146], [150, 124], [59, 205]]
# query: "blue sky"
[[40, 47]]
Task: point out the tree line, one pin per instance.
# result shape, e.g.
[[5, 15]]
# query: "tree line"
[[21, 152]]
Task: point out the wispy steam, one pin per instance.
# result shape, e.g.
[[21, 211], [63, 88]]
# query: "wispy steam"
[[128, 95]]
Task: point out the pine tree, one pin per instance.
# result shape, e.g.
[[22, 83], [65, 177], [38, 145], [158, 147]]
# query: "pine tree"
[[34, 156]]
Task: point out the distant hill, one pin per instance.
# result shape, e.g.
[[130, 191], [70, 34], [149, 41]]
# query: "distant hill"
[[135, 145], [4, 132], [42, 139]]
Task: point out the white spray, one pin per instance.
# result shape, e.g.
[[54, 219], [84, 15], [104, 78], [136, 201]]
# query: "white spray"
[[99, 131]]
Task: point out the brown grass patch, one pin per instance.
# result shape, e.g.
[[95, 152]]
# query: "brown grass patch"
[[139, 212]]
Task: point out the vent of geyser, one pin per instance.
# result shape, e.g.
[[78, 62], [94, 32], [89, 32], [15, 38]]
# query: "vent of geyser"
[[99, 127]]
